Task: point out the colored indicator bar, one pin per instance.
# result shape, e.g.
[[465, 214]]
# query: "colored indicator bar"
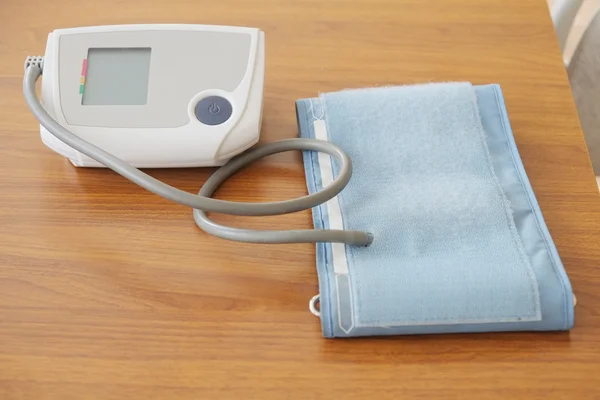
[[83, 75]]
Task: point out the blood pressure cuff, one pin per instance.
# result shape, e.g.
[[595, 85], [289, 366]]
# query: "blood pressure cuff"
[[460, 243]]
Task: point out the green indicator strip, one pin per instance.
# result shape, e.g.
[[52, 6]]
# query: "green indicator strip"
[[81, 89]]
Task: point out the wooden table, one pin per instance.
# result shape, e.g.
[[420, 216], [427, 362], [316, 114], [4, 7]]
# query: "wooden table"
[[109, 292]]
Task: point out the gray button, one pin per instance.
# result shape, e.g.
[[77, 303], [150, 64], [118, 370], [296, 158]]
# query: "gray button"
[[213, 110]]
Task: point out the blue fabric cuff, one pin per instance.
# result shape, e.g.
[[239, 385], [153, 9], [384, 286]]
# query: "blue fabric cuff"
[[449, 266]]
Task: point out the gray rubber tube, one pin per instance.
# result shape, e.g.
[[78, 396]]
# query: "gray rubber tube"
[[202, 202]]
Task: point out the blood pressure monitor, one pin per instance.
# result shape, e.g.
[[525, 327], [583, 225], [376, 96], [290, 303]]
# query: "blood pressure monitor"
[[156, 95], [133, 96]]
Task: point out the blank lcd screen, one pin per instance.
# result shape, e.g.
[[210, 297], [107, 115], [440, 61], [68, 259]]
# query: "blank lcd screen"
[[117, 76]]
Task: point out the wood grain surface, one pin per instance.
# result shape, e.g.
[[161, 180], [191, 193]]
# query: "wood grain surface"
[[109, 292]]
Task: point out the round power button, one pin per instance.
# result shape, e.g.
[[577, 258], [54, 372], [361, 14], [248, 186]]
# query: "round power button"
[[213, 110]]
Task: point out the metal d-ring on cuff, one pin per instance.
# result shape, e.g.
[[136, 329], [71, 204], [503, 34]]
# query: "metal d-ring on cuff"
[[312, 305]]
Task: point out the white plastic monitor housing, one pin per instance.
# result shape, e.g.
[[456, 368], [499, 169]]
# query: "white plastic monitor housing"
[[187, 64]]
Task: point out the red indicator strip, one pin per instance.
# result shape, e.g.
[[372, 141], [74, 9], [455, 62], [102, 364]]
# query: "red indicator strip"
[[83, 75]]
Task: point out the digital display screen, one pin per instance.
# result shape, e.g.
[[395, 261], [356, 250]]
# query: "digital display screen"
[[116, 76]]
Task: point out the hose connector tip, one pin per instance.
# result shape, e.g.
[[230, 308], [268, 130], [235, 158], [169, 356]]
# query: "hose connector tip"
[[38, 61]]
